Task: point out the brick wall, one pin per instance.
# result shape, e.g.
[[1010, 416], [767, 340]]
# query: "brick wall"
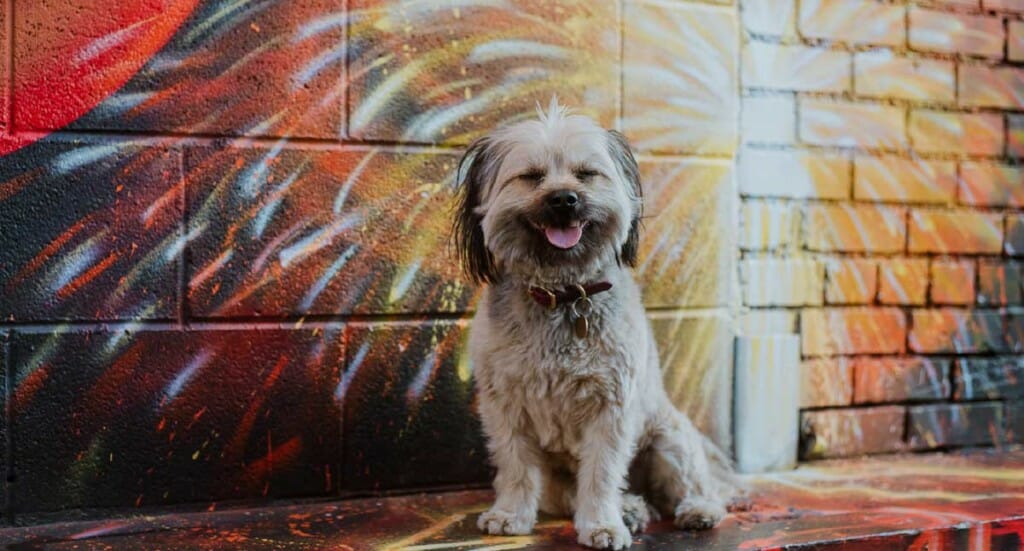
[[888, 222], [223, 272]]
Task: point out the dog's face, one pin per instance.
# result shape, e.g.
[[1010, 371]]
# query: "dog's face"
[[554, 198]]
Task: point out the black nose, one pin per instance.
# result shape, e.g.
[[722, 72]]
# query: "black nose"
[[563, 201]]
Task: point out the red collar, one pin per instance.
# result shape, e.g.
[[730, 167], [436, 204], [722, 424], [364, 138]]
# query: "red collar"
[[551, 299]]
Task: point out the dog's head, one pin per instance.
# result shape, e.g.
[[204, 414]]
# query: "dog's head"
[[555, 198]]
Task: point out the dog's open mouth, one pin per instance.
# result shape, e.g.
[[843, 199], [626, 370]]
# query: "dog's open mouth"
[[564, 237]]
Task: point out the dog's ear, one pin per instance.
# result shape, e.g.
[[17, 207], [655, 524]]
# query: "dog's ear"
[[623, 157], [476, 169]]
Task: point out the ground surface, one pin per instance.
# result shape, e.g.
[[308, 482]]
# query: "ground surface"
[[935, 502]]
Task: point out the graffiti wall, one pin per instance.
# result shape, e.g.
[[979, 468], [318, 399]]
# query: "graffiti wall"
[[224, 271]]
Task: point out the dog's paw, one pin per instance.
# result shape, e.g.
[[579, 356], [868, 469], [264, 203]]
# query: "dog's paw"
[[609, 535], [636, 514], [698, 513], [503, 523]]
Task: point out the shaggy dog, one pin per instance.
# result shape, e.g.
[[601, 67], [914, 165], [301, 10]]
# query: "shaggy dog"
[[570, 390]]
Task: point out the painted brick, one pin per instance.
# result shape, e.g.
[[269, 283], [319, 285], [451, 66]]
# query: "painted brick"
[[395, 67], [1015, 136], [795, 68], [984, 86], [1015, 422], [768, 225], [941, 425], [1015, 331], [933, 231], [696, 354], [5, 72], [782, 282], [260, 73], [992, 185], [900, 380], [854, 228], [768, 119], [685, 255], [877, 23], [90, 232], [826, 382], [885, 74], [999, 284], [955, 33], [1014, 235], [226, 414], [960, 133], [770, 17], [845, 433], [850, 281], [794, 174], [903, 281], [988, 379], [1015, 40], [901, 180], [694, 107], [959, 3], [767, 322], [300, 232], [952, 282], [1004, 5], [949, 331], [825, 122], [406, 393], [859, 330]]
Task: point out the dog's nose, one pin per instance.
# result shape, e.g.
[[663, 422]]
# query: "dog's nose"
[[563, 201]]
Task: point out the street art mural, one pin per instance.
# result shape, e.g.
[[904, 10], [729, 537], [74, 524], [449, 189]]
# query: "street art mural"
[[223, 228]]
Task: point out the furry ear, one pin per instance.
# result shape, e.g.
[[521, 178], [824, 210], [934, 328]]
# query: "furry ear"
[[623, 157], [475, 170]]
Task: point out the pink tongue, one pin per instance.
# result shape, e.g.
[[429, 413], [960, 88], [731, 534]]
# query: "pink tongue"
[[564, 238]]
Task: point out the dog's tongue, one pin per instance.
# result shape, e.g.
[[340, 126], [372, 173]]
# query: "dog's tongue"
[[564, 238]]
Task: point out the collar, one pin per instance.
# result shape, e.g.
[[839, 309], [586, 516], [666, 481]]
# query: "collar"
[[550, 299]]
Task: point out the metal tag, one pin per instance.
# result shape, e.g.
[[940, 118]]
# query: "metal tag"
[[582, 327]]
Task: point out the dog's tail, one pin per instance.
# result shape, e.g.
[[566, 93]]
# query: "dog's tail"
[[731, 486]]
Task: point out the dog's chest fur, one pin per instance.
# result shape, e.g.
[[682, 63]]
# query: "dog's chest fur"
[[554, 379]]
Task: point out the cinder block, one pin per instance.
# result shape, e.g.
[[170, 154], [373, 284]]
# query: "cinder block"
[[407, 393], [988, 378], [855, 228], [956, 133], [985, 86], [955, 33], [90, 231], [794, 174], [952, 282], [768, 119], [903, 281], [768, 225], [853, 21], [767, 402], [694, 108], [952, 232], [782, 281], [795, 68], [851, 432], [891, 178], [826, 382], [164, 417], [769, 17], [871, 125], [992, 185], [942, 425], [767, 322], [689, 233], [885, 74], [955, 331], [850, 281], [886, 380], [832, 331], [506, 56], [294, 232]]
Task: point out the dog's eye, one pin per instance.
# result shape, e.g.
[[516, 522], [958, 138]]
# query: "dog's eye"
[[585, 173], [532, 175]]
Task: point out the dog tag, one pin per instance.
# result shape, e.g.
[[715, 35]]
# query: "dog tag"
[[582, 327]]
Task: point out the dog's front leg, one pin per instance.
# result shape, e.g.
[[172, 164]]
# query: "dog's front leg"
[[604, 461], [518, 481]]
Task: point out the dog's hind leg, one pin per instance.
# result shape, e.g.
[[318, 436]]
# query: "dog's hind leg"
[[688, 472]]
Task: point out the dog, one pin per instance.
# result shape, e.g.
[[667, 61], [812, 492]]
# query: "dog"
[[569, 385]]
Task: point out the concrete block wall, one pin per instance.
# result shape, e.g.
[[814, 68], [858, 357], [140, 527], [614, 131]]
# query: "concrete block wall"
[[887, 226]]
